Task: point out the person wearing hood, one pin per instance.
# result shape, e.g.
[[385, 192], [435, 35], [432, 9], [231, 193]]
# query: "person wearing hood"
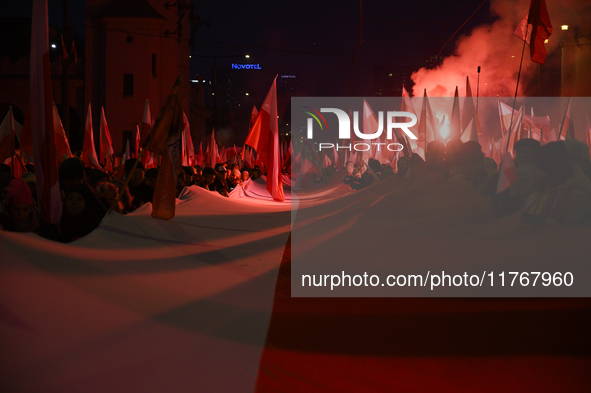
[[78, 218], [21, 213]]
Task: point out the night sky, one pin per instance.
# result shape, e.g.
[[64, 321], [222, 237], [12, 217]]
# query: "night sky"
[[316, 41]]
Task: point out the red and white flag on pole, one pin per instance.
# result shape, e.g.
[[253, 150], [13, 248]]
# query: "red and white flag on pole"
[[7, 135], [73, 52], [188, 148], [145, 130], [126, 155], [166, 140], [212, 153], [534, 29], [264, 138], [468, 110], [106, 146], [62, 145], [455, 124], [88, 151], [588, 131], [253, 114], [426, 130], [507, 174], [137, 139], [41, 115], [567, 129]]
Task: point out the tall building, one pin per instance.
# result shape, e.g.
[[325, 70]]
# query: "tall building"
[[389, 79], [135, 50]]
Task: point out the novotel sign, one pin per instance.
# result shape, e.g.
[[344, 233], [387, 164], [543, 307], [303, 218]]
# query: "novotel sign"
[[246, 66]]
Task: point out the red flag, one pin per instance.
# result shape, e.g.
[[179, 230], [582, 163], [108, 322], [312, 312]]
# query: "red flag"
[[166, 140], [41, 115], [507, 174], [106, 146], [538, 27], [61, 140], [88, 151], [264, 138], [7, 135], [254, 114]]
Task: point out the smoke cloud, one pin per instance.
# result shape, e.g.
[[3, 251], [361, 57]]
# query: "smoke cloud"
[[497, 51]]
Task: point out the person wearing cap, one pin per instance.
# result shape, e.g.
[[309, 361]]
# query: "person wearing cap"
[[220, 183]]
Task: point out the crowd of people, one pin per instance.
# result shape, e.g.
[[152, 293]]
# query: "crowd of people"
[[553, 183], [88, 194]]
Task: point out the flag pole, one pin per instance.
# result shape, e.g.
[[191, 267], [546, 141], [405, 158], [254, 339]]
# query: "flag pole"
[[563, 120], [516, 88], [477, 89]]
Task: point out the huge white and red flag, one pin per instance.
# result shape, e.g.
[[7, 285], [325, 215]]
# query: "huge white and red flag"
[[88, 151], [7, 135], [166, 140], [106, 146], [264, 138], [41, 115], [534, 29], [62, 145]]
